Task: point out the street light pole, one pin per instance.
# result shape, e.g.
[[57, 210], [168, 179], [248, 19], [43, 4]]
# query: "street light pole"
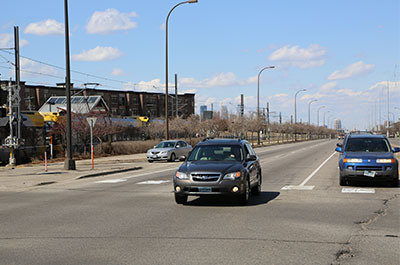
[[318, 114], [325, 114], [295, 107], [258, 101], [69, 163], [166, 65], [309, 108]]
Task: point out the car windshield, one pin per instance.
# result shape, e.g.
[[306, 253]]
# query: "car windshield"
[[216, 153], [165, 145], [367, 145]]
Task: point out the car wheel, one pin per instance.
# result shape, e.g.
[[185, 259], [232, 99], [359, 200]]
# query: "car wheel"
[[150, 161], [244, 198], [172, 158], [343, 181], [256, 190], [180, 199]]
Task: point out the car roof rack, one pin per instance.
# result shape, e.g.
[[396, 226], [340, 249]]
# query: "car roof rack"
[[207, 138]]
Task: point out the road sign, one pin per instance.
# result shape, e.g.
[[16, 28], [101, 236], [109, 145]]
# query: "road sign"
[[91, 120]]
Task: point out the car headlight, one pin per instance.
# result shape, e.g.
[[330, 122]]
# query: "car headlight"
[[387, 161], [163, 152], [181, 175], [352, 160], [233, 175]]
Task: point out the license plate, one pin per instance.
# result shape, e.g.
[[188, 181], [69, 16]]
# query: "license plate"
[[204, 189], [369, 173], [154, 156]]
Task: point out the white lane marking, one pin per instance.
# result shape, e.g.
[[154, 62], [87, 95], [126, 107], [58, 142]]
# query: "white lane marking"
[[154, 182], [302, 185], [357, 190], [315, 171], [111, 181], [294, 187], [150, 173]]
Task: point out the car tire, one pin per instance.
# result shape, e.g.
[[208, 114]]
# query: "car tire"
[[172, 158], [150, 161], [256, 190], [244, 198], [343, 181], [181, 199]]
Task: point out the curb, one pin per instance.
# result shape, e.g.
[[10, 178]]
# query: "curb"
[[108, 172]]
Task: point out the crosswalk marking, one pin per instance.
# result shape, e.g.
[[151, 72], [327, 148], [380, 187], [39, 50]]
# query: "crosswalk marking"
[[297, 187], [111, 181], [154, 182], [358, 190]]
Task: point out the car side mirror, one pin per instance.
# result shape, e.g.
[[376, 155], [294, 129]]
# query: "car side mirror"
[[154, 146], [252, 158], [338, 149], [339, 145], [396, 149], [178, 146], [182, 158]]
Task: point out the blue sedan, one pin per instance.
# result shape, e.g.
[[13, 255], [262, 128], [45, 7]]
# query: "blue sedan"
[[368, 157]]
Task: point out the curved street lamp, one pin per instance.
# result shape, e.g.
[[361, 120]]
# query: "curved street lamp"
[[309, 103], [318, 114], [295, 107], [325, 114], [258, 100], [166, 65]]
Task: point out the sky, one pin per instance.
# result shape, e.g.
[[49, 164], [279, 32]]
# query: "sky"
[[346, 54]]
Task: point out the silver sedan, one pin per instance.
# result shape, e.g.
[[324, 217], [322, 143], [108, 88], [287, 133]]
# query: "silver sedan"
[[169, 150]]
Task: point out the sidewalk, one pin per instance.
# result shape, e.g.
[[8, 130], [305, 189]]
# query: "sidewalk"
[[27, 176]]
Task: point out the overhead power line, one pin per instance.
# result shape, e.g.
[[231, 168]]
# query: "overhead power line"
[[81, 73]]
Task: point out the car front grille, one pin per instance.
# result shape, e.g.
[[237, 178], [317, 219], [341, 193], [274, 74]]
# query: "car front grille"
[[155, 153], [370, 168], [205, 176]]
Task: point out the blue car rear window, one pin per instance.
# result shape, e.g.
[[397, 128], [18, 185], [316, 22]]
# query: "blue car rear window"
[[367, 145]]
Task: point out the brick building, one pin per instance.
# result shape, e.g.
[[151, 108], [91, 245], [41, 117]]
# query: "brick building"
[[120, 102]]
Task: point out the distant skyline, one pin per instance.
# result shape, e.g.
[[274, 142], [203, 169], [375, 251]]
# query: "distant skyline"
[[345, 53]]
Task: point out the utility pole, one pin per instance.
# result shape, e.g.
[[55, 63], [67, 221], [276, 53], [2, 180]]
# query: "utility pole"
[[241, 105], [268, 113], [176, 96], [388, 119], [69, 163], [17, 80], [242, 113], [280, 118]]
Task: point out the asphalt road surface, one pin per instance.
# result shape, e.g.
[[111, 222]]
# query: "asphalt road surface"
[[302, 216]]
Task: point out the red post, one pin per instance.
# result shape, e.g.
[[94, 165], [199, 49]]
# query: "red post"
[[92, 154], [45, 161]]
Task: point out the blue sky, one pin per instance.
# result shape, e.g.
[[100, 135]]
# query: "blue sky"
[[345, 53]]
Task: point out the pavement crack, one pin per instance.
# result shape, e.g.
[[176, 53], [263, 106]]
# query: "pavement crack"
[[346, 252]]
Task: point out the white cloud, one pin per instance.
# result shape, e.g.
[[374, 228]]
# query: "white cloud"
[[328, 86], [109, 21], [218, 80], [162, 26], [355, 69], [48, 27], [295, 56], [394, 86], [7, 41], [117, 72], [98, 54], [33, 69]]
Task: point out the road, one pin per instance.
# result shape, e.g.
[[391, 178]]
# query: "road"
[[302, 216]]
